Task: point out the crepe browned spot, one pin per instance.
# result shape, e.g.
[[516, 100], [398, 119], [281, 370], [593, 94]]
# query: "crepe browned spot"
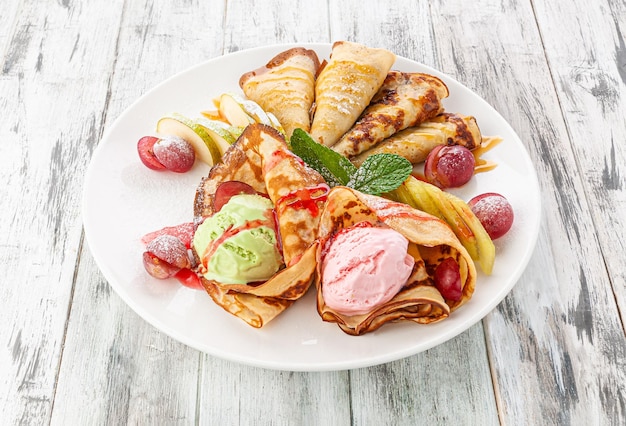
[[285, 86], [432, 241], [404, 100], [261, 159], [415, 143], [345, 86]]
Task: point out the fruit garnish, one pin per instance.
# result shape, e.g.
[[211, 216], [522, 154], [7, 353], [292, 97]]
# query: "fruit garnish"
[[448, 279], [456, 213], [221, 133], [232, 111], [449, 166], [171, 250], [184, 232], [379, 173], [226, 190], [206, 149], [157, 267], [165, 256], [175, 153], [494, 212], [145, 147]]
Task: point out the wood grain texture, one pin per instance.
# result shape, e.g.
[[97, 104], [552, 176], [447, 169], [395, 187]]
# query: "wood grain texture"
[[589, 70], [559, 330], [46, 145], [554, 352], [449, 384], [133, 373]]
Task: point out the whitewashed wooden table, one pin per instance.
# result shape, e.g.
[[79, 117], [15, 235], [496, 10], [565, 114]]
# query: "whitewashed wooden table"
[[553, 352]]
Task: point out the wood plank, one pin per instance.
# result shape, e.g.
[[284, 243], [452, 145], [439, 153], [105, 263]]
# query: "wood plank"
[[247, 395], [50, 129], [255, 23], [131, 372], [589, 69], [556, 343], [450, 383], [394, 393], [236, 394]]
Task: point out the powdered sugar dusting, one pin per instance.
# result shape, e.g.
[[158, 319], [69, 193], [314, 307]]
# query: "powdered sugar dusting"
[[494, 212], [170, 249]]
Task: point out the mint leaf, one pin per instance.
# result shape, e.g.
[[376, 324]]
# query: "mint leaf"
[[334, 167], [381, 173]]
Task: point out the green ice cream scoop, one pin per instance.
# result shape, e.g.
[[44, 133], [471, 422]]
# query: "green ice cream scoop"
[[237, 245]]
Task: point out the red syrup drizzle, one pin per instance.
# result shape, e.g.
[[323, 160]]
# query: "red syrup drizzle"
[[304, 198]]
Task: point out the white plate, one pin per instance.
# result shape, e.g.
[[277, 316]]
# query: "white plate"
[[123, 200]]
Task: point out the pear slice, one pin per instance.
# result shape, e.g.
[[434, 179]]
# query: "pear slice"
[[219, 132], [275, 123], [206, 149], [233, 112], [456, 213]]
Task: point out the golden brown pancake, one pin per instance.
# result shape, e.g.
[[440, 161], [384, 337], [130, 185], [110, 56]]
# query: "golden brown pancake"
[[415, 143], [285, 87], [404, 100], [345, 86], [432, 240], [261, 159]]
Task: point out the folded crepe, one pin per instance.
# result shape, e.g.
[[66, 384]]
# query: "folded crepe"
[[415, 143], [430, 242], [261, 159], [285, 87], [345, 86], [404, 100]]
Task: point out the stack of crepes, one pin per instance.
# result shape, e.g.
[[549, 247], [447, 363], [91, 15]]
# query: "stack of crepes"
[[430, 242], [260, 158], [357, 105], [354, 104]]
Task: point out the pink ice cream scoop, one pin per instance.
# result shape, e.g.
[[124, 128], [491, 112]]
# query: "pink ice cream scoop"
[[364, 267]]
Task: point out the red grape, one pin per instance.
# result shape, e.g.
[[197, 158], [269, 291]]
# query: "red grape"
[[158, 268], [165, 256], [494, 212], [449, 166], [146, 154], [175, 153], [226, 190], [448, 279]]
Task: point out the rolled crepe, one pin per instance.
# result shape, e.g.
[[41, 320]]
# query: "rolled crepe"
[[345, 86], [418, 300], [415, 143], [261, 159], [285, 86], [404, 100]]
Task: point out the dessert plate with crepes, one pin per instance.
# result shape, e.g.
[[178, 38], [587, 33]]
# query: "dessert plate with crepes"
[[123, 201]]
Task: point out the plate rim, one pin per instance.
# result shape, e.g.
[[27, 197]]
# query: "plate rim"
[[450, 333]]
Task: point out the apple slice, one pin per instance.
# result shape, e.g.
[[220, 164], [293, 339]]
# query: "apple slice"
[[206, 149], [233, 112], [219, 132]]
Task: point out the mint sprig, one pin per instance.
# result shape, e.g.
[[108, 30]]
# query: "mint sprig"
[[334, 167], [381, 173], [378, 174]]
